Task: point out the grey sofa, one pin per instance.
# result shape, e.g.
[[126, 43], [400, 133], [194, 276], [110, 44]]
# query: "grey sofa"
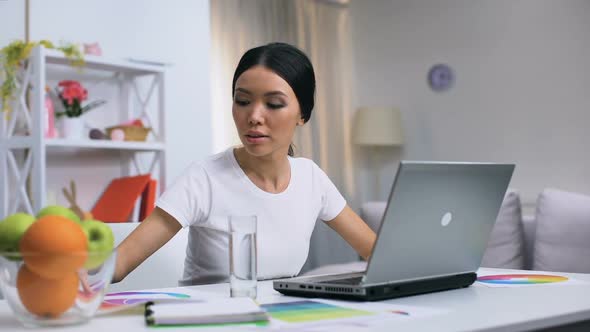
[[556, 238]]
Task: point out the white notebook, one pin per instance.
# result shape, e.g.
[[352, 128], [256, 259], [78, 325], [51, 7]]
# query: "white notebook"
[[218, 311]]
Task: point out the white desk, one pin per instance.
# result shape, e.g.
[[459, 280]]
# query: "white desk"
[[476, 308]]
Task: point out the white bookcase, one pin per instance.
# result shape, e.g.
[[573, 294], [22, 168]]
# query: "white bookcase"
[[15, 194]]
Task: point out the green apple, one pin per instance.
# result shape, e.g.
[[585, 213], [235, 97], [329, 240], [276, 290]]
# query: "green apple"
[[58, 210], [101, 241], [12, 229]]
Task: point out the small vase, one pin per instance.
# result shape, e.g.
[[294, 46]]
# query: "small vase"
[[72, 128], [49, 118]]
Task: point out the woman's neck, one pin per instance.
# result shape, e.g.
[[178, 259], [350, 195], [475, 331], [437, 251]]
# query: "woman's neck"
[[270, 173]]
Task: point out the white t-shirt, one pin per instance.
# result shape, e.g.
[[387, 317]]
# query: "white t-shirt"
[[208, 192]]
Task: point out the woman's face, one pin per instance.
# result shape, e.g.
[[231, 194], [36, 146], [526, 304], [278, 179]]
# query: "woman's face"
[[265, 111]]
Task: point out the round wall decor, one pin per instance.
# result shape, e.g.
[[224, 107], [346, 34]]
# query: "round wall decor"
[[440, 77]]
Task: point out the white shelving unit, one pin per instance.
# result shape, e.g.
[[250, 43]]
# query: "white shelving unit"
[[14, 173]]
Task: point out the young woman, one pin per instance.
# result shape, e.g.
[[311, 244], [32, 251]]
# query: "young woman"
[[273, 91]]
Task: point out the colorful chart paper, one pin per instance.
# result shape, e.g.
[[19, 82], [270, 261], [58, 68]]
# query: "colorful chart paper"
[[122, 300], [310, 311], [521, 279]]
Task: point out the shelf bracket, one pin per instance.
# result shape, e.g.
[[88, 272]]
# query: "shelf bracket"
[[21, 104], [144, 103], [21, 180]]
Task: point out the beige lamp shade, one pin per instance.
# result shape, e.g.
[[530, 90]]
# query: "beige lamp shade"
[[377, 126]]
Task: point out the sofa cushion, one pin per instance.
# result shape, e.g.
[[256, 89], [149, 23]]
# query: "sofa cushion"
[[562, 239], [530, 227], [506, 245]]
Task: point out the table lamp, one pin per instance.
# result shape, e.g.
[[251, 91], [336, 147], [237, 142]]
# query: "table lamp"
[[377, 127]]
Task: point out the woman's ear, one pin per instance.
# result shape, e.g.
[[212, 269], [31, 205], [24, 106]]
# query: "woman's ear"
[[301, 122]]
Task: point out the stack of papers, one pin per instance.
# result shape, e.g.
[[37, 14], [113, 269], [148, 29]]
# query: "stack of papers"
[[219, 311]]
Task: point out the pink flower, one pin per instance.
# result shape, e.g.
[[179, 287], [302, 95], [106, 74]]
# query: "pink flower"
[[72, 94], [67, 83], [73, 90]]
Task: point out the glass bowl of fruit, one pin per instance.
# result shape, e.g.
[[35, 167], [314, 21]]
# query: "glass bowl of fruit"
[[55, 271]]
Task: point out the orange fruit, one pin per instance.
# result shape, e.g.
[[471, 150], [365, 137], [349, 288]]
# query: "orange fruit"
[[46, 297], [54, 246]]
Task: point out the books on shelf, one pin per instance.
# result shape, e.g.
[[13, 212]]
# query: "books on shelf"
[[218, 311]]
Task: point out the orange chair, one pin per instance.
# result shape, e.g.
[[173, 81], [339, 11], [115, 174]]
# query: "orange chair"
[[119, 198]]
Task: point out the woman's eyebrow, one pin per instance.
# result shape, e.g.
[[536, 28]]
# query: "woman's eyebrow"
[[243, 91], [268, 94], [273, 93]]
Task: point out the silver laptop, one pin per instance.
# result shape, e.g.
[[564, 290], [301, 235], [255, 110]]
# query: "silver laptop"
[[433, 235]]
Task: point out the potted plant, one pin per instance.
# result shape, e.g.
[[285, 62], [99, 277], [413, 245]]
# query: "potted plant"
[[72, 94], [15, 54]]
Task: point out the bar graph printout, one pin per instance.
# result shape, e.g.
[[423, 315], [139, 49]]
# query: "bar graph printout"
[[319, 313]]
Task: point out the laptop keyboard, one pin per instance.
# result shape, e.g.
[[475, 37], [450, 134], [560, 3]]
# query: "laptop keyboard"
[[344, 281]]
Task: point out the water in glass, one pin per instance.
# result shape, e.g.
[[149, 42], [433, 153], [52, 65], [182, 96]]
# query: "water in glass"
[[242, 248]]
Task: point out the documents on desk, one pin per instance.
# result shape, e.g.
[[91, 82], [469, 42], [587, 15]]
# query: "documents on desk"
[[299, 313], [218, 311]]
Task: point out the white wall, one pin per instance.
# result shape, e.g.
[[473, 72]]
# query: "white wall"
[[521, 93], [12, 18], [172, 31]]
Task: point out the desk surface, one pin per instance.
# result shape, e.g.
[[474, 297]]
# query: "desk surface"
[[476, 308]]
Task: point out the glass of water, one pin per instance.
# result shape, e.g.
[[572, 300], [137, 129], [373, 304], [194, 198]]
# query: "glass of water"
[[242, 256]]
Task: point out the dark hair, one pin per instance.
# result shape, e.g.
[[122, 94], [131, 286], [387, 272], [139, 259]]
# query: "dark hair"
[[291, 64]]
